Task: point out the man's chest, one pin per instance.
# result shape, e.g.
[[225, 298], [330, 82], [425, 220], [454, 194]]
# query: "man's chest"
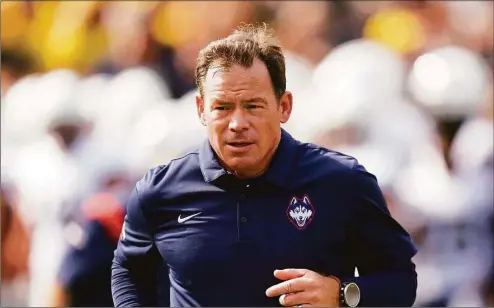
[[213, 234]]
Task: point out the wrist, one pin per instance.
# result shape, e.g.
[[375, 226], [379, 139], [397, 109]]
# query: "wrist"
[[337, 294]]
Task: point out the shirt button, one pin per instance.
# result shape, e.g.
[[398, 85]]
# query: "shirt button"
[[243, 219], [242, 196]]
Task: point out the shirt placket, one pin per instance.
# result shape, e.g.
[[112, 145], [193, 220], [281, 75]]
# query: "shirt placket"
[[244, 219]]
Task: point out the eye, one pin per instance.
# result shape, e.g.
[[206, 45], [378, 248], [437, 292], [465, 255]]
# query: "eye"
[[253, 106], [221, 108]]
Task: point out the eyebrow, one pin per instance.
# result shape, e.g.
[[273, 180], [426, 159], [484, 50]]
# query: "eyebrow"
[[247, 101], [255, 100]]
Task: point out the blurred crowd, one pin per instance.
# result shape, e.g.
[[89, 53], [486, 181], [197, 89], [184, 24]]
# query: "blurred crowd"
[[94, 93]]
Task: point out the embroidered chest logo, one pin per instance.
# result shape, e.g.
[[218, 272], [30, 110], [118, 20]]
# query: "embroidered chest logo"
[[300, 212]]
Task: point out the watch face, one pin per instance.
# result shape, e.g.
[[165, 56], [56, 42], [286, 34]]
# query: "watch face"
[[352, 294]]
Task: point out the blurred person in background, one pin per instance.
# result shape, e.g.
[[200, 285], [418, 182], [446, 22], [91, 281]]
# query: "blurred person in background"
[[50, 175], [15, 250], [125, 22], [174, 26], [91, 232], [151, 27], [475, 169], [306, 37], [453, 84]]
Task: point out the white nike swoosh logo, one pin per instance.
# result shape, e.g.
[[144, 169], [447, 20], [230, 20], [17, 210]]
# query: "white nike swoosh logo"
[[181, 220]]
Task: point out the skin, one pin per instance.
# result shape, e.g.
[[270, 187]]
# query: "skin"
[[58, 296], [240, 106], [306, 288], [15, 243]]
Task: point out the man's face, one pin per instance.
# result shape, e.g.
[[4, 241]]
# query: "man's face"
[[243, 116]]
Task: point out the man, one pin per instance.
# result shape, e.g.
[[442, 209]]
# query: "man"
[[254, 216]]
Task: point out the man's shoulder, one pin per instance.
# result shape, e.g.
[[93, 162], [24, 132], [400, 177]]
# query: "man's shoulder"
[[317, 163], [315, 154], [163, 177], [319, 167]]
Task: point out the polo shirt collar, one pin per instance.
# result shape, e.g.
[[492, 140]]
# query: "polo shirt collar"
[[277, 173]]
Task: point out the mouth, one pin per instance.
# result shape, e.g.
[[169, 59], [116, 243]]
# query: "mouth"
[[239, 146]]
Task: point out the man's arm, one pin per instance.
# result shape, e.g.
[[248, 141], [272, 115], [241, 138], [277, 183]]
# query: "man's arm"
[[381, 248], [136, 261]]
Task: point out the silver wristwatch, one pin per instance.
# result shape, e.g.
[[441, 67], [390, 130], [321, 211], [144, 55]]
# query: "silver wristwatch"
[[349, 294]]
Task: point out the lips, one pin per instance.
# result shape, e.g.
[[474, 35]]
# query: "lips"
[[239, 146]]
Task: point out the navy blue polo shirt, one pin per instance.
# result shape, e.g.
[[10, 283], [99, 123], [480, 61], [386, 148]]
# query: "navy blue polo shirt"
[[223, 237]]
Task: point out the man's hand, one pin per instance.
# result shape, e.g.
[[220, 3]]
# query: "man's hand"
[[304, 288]]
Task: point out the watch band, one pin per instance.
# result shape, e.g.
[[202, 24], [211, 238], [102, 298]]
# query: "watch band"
[[342, 295]]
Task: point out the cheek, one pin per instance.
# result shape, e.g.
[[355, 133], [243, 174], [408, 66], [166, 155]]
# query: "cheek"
[[267, 132], [217, 129]]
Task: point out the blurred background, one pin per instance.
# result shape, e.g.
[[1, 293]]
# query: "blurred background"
[[94, 93]]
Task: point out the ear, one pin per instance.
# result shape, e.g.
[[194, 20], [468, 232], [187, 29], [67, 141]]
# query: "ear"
[[306, 200], [200, 109], [286, 103], [293, 201]]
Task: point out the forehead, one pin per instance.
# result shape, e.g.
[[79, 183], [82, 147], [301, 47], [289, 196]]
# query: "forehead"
[[238, 80]]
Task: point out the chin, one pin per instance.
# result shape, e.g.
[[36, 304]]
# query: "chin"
[[240, 163]]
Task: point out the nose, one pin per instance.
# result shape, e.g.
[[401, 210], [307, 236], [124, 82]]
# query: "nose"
[[238, 121]]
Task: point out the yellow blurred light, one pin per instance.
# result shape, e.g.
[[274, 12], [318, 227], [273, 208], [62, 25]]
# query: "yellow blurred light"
[[60, 34], [64, 48], [143, 6], [4, 6], [399, 29], [175, 23], [14, 21], [41, 24], [96, 46]]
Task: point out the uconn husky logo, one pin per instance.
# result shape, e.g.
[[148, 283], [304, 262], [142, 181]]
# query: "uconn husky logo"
[[300, 212]]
